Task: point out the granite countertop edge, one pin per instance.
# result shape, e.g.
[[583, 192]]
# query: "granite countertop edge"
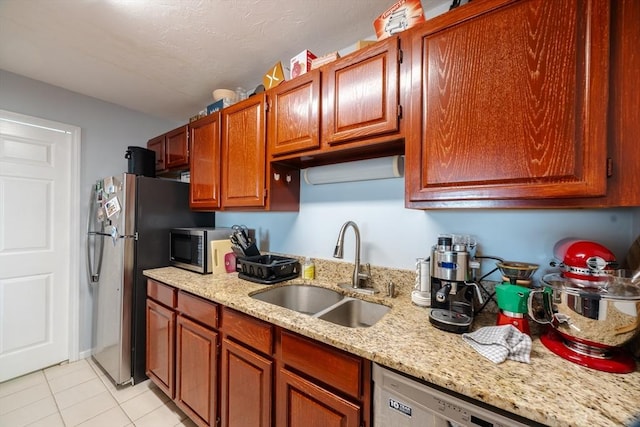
[[549, 390]]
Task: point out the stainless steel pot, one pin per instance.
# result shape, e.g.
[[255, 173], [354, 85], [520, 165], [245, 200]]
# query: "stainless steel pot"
[[606, 315]]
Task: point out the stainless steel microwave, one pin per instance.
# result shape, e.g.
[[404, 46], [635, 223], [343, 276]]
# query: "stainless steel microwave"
[[190, 248]]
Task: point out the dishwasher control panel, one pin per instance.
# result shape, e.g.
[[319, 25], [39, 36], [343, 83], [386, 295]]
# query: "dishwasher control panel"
[[400, 401]]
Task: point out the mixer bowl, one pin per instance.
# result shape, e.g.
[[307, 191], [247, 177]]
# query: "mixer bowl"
[[598, 316], [520, 272]]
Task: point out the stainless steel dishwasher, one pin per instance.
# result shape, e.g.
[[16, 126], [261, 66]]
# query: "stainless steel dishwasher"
[[400, 401]]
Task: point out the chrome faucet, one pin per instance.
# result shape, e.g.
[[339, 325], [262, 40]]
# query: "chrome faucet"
[[358, 276]]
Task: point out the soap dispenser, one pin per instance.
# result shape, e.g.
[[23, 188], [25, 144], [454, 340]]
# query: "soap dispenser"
[[308, 269]]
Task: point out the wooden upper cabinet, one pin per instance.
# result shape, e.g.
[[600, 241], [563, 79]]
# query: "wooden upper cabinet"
[[177, 147], [204, 189], [294, 115], [361, 94], [509, 104], [172, 149], [157, 144], [244, 154]]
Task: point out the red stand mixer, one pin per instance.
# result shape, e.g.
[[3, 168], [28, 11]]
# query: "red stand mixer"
[[592, 308]]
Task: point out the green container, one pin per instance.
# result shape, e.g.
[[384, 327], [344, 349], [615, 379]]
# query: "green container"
[[512, 298]]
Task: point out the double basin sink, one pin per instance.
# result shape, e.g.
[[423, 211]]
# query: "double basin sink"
[[326, 304]]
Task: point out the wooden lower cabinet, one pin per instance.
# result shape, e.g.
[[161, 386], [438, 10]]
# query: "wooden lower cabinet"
[[246, 387], [226, 368], [160, 367], [196, 371], [301, 403], [183, 350]]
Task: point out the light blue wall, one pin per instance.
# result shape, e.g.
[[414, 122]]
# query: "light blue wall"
[[394, 236]]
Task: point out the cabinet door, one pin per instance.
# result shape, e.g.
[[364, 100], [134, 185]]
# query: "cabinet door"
[[177, 147], [294, 115], [157, 144], [299, 402], [204, 187], [244, 154], [361, 94], [196, 371], [246, 387], [509, 103], [161, 324]]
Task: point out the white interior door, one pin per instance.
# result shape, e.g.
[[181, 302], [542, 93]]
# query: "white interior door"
[[38, 242]]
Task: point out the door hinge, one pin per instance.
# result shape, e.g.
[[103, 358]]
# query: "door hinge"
[[399, 111], [400, 56], [267, 106], [609, 167], [264, 193]]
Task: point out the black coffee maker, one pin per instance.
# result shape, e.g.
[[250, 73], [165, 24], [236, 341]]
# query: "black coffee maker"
[[141, 161], [452, 288]]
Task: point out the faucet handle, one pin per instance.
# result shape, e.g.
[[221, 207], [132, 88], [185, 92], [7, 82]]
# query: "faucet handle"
[[365, 276]]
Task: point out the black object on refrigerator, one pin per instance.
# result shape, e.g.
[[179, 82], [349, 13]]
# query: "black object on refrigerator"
[[128, 232], [141, 161]]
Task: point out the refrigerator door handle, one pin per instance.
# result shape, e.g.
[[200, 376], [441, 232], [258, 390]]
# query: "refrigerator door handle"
[[133, 236], [92, 243]]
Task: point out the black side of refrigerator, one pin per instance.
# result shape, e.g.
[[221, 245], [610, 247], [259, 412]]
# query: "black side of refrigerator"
[[161, 204]]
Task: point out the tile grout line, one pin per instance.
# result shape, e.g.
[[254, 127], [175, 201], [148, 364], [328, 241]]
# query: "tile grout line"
[[53, 396], [31, 403], [118, 404]]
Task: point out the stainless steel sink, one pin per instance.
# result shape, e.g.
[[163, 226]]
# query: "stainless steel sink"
[[301, 298], [325, 304], [355, 313]]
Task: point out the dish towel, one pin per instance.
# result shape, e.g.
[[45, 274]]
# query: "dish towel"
[[498, 343]]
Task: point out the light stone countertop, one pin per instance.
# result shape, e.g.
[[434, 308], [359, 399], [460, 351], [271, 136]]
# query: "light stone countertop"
[[550, 390]]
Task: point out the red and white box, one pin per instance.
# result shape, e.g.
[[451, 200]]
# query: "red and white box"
[[301, 63], [403, 15]]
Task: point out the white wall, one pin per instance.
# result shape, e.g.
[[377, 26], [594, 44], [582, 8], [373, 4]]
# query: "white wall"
[[394, 236], [107, 130]]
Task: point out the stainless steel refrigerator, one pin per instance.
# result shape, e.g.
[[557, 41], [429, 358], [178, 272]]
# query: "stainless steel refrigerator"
[[128, 231]]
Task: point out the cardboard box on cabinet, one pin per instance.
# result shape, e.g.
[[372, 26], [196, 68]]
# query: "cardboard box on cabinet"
[[319, 62], [402, 15], [274, 76], [301, 63]]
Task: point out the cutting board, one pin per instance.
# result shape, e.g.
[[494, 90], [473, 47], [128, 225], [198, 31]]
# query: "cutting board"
[[219, 248]]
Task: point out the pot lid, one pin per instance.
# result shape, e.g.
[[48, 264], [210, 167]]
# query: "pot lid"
[[616, 286]]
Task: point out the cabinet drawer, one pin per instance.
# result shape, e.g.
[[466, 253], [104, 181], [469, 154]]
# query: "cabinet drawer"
[[329, 365], [164, 294], [252, 332], [198, 309]]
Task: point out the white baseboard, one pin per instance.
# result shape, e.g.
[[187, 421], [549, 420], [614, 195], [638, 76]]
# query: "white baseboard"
[[84, 354]]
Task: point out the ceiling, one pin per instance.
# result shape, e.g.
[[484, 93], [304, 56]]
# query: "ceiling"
[[164, 57]]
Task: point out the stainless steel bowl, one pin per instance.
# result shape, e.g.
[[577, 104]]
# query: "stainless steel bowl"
[[602, 316]]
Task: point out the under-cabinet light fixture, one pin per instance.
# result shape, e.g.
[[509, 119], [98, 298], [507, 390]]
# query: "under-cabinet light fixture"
[[361, 170]]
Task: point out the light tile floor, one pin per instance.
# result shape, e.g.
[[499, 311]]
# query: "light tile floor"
[[80, 394]]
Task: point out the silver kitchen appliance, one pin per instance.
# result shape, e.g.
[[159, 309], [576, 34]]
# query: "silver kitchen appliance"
[[452, 287], [128, 231], [401, 401], [190, 247]]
